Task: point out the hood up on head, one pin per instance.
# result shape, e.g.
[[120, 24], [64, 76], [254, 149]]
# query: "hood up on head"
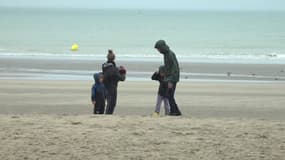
[[162, 46], [97, 77]]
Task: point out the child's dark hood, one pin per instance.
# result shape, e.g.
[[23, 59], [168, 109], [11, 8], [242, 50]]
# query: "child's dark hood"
[[97, 77], [162, 46]]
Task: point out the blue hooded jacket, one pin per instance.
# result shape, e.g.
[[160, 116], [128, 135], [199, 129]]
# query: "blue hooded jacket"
[[98, 90]]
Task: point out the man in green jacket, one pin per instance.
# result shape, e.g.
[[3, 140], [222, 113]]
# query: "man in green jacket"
[[172, 74]]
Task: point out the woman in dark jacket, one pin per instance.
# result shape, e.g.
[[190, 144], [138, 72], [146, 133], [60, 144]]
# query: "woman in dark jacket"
[[112, 75]]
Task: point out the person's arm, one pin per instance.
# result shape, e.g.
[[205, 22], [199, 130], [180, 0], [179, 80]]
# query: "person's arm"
[[93, 94], [118, 76], [123, 73], [155, 76], [123, 77]]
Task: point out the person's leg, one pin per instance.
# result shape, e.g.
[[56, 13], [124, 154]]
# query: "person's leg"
[[111, 100], [108, 98], [166, 106], [158, 103], [102, 108], [174, 110], [96, 109]]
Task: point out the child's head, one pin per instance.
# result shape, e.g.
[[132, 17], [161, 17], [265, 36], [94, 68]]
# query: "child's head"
[[98, 77], [162, 71]]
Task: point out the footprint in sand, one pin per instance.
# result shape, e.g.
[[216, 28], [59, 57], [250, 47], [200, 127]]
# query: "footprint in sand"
[[160, 143], [197, 128], [76, 123], [182, 133], [138, 133], [262, 136], [200, 139]]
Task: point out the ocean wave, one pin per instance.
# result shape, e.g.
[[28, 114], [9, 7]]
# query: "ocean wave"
[[276, 58]]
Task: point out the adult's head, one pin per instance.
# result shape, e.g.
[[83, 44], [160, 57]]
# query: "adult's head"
[[161, 46], [111, 56]]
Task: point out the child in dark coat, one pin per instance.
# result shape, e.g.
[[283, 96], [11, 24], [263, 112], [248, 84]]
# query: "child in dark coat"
[[162, 91], [98, 94]]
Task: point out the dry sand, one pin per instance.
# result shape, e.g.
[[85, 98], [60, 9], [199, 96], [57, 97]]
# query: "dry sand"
[[52, 120], [137, 137]]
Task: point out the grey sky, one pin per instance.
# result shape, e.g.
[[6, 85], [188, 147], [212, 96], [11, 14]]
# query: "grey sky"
[[153, 4]]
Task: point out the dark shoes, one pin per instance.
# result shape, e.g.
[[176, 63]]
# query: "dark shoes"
[[175, 114]]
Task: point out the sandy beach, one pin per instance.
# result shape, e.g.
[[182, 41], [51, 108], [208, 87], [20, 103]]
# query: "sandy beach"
[[53, 120], [229, 57], [136, 137], [201, 100]]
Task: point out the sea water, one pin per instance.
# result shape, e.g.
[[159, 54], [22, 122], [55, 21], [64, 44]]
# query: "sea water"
[[195, 36]]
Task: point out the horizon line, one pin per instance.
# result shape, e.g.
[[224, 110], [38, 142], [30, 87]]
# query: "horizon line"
[[146, 9]]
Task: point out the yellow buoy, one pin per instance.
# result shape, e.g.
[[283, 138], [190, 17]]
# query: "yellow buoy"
[[74, 47]]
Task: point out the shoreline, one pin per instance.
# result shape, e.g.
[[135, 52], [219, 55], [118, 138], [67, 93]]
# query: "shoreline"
[[73, 69]]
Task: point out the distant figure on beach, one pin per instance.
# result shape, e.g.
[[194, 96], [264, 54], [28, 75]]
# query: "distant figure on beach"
[[112, 75], [162, 91], [172, 74], [98, 94]]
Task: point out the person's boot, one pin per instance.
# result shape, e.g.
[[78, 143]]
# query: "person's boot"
[[175, 114]]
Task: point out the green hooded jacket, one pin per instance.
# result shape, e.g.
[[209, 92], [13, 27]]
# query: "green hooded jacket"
[[170, 62]]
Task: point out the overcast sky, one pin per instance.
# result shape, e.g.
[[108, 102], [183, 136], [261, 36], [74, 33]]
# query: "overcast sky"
[[152, 4]]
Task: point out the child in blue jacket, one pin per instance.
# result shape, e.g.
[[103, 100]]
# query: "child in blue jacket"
[[98, 94]]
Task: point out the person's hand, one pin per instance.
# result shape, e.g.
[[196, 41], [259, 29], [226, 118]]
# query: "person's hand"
[[94, 102], [170, 85], [122, 70]]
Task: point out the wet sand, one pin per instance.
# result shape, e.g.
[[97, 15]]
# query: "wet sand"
[[40, 68]]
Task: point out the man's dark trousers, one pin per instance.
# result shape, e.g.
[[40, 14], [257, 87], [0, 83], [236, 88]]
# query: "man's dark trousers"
[[174, 110]]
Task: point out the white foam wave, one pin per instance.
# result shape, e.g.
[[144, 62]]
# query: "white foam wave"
[[275, 58]]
